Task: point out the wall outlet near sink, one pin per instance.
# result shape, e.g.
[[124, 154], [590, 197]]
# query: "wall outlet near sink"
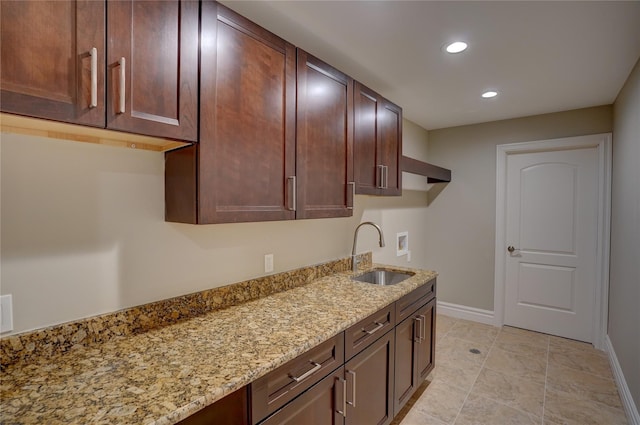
[[268, 263]]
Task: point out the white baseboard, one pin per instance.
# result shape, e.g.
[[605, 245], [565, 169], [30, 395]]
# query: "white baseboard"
[[625, 394], [468, 313]]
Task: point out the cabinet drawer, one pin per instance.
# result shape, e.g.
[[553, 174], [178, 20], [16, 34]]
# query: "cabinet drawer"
[[359, 336], [277, 388], [406, 305]]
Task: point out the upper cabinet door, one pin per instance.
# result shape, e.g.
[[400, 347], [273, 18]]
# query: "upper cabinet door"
[[152, 67], [53, 60], [324, 166], [377, 143], [243, 168], [247, 141], [367, 174], [389, 150]]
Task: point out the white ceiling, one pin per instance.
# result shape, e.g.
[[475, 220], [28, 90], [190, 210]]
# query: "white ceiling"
[[541, 56]]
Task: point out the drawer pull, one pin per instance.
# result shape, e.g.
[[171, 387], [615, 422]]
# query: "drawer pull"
[[374, 330], [316, 367]]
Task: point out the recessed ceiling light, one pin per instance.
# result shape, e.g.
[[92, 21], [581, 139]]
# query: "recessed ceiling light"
[[489, 94], [456, 47]]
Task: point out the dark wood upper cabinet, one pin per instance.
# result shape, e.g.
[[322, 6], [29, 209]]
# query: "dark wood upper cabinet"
[[377, 143], [243, 168], [324, 167], [152, 67], [52, 57]]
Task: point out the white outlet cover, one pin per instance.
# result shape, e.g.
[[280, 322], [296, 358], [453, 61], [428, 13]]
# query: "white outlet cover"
[[6, 313], [268, 263]]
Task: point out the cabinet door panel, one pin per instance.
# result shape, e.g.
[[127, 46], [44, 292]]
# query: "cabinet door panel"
[[405, 376], [247, 136], [365, 168], [425, 349], [158, 41], [324, 148], [318, 406], [46, 64], [390, 146], [369, 378]]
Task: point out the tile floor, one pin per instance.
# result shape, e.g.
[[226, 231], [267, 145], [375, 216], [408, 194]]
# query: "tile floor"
[[518, 377]]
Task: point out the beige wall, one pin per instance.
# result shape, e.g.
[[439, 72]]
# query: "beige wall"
[[624, 285], [461, 224], [83, 232]]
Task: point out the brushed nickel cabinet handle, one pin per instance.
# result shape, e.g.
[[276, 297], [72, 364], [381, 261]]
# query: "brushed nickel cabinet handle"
[[94, 77], [417, 331], [316, 367], [380, 176], [384, 177], [423, 327], [374, 330], [123, 80], [291, 193], [343, 412], [353, 389], [353, 195]]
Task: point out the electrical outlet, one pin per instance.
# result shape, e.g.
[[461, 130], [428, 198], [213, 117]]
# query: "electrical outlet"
[[6, 313], [268, 263]]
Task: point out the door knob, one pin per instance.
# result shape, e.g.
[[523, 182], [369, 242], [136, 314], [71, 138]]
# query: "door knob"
[[511, 249]]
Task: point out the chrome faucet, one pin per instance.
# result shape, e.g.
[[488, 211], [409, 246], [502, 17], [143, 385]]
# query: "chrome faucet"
[[354, 261]]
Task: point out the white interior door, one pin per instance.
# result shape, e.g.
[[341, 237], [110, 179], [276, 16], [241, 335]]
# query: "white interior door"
[[552, 238]]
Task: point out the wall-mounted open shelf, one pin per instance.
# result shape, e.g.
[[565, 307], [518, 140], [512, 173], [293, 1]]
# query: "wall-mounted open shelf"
[[433, 173]]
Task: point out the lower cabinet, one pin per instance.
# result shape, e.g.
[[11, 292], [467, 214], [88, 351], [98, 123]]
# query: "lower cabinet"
[[369, 379], [320, 405], [359, 393], [414, 351], [231, 410], [363, 376]]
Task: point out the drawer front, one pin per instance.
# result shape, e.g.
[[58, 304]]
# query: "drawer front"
[[359, 336], [408, 304], [323, 404], [277, 388]]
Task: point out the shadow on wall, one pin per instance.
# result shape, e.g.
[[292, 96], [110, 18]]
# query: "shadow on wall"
[[434, 191]]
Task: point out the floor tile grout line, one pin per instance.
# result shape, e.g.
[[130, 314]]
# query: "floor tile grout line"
[[476, 380]]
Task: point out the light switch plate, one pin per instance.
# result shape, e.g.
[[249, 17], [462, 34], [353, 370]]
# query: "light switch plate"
[[6, 313]]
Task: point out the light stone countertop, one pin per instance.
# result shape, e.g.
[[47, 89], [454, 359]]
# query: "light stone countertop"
[[165, 375]]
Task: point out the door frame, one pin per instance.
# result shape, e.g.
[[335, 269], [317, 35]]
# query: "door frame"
[[603, 144]]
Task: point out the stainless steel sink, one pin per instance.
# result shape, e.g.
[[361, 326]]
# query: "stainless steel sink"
[[383, 277]]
